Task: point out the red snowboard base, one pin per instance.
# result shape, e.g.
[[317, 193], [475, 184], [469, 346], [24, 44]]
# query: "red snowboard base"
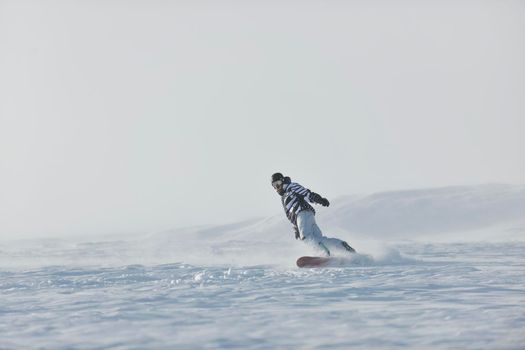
[[312, 261]]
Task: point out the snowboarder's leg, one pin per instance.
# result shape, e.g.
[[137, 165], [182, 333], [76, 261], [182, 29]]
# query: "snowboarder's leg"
[[308, 233], [332, 243], [304, 225]]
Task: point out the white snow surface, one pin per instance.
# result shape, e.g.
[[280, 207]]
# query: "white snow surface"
[[436, 269]]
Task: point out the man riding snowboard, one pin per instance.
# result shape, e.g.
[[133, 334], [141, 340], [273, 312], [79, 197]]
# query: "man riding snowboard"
[[302, 215]]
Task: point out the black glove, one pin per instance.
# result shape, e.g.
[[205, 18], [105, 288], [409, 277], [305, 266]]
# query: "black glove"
[[324, 202], [318, 199], [297, 234]]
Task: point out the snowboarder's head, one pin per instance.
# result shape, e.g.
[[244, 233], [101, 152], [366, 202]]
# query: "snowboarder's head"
[[278, 183]]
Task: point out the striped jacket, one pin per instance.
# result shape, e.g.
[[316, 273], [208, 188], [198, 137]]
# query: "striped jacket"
[[294, 200]]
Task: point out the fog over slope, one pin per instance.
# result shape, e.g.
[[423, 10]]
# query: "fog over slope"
[[370, 223], [494, 212]]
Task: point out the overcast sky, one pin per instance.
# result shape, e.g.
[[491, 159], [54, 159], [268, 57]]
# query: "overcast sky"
[[137, 116]]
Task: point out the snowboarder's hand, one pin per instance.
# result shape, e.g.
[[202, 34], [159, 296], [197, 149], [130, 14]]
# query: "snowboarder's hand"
[[314, 197], [297, 234]]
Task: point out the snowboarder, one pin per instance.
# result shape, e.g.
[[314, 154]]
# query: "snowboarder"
[[302, 215]]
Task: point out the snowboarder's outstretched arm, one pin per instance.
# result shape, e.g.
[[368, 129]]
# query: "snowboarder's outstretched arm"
[[311, 196]]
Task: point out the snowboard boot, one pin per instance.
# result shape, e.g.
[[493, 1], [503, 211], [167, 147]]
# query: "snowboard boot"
[[347, 247]]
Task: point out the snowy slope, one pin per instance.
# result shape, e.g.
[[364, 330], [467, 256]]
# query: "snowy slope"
[[436, 269]]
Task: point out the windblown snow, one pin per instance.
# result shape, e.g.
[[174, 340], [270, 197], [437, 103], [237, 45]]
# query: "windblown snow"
[[436, 269]]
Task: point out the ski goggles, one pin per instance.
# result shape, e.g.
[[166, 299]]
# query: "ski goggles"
[[277, 184]]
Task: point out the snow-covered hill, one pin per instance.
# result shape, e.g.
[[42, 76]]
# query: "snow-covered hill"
[[436, 269], [406, 214], [493, 213], [409, 214]]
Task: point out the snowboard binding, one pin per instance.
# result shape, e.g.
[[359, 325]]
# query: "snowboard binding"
[[347, 247]]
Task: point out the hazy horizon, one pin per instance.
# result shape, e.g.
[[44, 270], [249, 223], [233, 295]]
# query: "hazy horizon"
[[137, 116]]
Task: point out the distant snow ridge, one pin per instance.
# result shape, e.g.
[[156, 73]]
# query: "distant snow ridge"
[[404, 213], [399, 214]]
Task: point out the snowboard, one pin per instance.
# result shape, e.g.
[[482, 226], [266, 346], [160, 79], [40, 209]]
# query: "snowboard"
[[312, 261]]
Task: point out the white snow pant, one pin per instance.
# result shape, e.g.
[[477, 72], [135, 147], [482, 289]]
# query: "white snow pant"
[[312, 234]]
